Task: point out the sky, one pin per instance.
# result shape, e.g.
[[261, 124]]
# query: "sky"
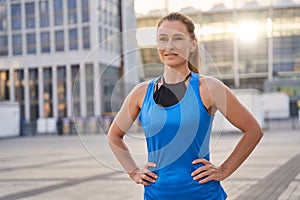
[[144, 6], [242, 29]]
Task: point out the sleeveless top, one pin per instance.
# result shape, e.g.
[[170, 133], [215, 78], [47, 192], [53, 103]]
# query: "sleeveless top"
[[169, 94], [175, 136]]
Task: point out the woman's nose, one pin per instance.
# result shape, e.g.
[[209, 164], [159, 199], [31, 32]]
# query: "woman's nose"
[[169, 45]]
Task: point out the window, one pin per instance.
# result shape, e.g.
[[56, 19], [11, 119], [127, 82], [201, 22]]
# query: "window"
[[19, 89], [58, 12], [117, 43], [19, 85], [3, 45], [4, 89], [61, 91], [284, 50], [90, 88], [45, 42], [59, 41], [16, 22], [108, 14], [3, 17], [29, 11], [73, 39], [100, 32], [75, 89], [31, 43], [85, 10], [34, 95], [106, 36], [44, 13], [17, 44], [109, 81], [47, 73], [86, 37], [116, 17], [72, 14], [222, 59]]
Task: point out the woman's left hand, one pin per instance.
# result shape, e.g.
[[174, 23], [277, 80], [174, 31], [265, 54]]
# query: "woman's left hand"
[[207, 172]]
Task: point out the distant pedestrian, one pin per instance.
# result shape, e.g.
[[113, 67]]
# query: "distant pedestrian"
[[176, 111], [59, 125]]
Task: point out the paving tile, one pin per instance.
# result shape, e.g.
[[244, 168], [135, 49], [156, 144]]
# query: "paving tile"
[[52, 167]]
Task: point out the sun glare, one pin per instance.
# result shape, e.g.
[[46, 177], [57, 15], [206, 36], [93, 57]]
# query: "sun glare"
[[247, 31]]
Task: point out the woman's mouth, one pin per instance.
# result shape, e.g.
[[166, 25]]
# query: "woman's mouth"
[[170, 54]]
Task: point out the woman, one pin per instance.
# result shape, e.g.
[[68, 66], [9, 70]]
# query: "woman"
[[176, 112]]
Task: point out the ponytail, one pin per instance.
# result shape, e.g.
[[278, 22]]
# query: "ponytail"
[[193, 68], [194, 60]]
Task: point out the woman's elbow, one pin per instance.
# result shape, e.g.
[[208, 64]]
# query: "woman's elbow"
[[114, 135], [257, 131], [260, 133], [254, 130]]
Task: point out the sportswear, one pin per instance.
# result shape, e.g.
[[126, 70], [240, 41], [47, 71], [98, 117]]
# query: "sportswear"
[[175, 136], [169, 94]]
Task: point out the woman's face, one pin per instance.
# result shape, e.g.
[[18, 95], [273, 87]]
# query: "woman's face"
[[174, 43]]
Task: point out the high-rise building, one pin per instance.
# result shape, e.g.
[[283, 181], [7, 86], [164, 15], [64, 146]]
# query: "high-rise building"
[[62, 58], [250, 46]]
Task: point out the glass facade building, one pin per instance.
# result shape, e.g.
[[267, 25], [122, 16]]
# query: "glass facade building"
[[52, 58]]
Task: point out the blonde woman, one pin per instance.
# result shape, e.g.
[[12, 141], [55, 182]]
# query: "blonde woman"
[[176, 111]]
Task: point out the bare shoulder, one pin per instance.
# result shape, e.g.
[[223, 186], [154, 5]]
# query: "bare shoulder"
[[211, 89], [138, 92], [210, 82], [211, 86], [140, 89]]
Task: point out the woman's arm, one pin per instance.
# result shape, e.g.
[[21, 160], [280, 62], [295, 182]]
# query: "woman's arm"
[[223, 99], [121, 124]]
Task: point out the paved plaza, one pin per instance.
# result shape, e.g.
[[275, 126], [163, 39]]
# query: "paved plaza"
[[82, 167]]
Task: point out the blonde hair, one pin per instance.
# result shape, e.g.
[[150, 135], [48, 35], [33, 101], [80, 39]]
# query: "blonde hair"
[[194, 57]]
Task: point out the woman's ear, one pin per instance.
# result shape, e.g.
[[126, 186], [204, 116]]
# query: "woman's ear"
[[193, 45]]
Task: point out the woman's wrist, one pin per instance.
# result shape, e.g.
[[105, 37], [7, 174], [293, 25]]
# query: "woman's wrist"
[[224, 172], [131, 173]]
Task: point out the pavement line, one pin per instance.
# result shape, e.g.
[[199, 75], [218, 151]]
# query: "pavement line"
[[6, 180], [44, 164], [272, 186], [58, 186]]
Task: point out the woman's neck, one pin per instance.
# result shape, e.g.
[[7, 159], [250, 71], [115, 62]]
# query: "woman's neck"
[[172, 75]]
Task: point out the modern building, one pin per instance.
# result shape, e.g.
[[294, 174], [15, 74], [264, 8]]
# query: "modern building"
[[63, 58], [248, 46]]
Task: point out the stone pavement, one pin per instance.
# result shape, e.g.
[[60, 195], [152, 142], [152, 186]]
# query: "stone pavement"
[[73, 167]]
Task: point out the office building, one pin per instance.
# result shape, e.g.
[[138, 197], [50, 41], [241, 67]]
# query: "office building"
[[62, 58]]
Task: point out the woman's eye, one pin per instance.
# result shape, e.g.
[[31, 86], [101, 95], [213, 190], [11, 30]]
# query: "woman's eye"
[[163, 39], [178, 38]]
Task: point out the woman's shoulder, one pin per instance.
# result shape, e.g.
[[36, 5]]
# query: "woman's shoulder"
[[210, 82], [139, 91], [141, 87], [211, 90]]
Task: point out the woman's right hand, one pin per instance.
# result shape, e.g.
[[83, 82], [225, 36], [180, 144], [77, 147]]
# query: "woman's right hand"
[[143, 175]]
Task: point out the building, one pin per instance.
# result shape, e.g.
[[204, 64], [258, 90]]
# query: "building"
[[63, 58], [250, 46]]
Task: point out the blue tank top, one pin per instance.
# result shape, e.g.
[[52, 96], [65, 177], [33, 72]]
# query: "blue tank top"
[[175, 136]]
